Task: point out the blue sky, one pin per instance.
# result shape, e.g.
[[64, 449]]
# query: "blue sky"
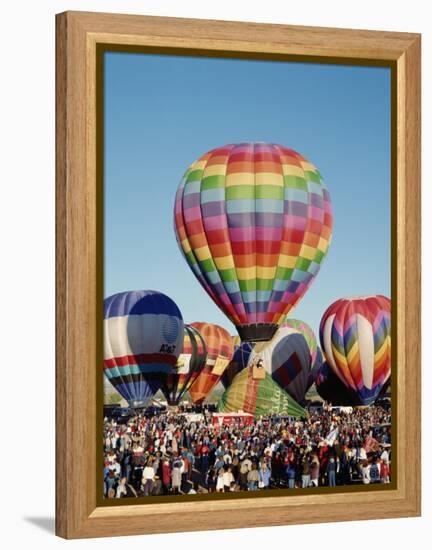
[[163, 112]]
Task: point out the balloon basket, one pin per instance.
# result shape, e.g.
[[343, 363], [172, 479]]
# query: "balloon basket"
[[137, 404], [258, 373]]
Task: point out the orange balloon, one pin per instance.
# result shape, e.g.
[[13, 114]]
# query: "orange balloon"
[[220, 349]]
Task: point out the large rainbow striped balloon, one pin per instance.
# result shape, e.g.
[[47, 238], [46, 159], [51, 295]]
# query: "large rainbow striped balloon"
[[254, 223], [355, 337]]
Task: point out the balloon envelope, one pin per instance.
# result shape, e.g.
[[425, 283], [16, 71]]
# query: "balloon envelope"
[[190, 363], [254, 222], [287, 359], [355, 337], [332, 389], [258, 396], [220, 349], [315, 351], [309, 335], [239, 361], [143, 333], [313, 373]]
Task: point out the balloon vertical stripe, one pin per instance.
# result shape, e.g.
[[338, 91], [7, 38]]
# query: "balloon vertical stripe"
[[355, 336]]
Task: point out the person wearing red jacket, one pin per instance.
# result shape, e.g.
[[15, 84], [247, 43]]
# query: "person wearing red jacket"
[[385, 472]]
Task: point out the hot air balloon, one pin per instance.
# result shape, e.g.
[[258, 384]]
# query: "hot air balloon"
[[258, 396], [143, 336], [189, 365], [332, 389], [356, 340], [220, 349], [308, 333], [254, 222], [315, 351], [313, 373], [287, 359], [239, 361], [386, 388]]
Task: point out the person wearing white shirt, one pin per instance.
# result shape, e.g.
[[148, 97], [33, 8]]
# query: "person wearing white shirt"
[[384, 456], [148, 477], [220, 481], [366, 473], [228, 478], [362, 454]]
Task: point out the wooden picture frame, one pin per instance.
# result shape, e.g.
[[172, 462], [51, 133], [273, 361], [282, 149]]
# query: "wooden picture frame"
[[78, 221]]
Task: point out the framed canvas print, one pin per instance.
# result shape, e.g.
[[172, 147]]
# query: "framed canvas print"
[[238, 274]]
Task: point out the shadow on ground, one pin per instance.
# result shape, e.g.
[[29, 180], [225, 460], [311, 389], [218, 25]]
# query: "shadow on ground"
[[46, 524]]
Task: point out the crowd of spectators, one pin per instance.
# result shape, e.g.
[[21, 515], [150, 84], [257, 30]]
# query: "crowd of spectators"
[[169, 453]]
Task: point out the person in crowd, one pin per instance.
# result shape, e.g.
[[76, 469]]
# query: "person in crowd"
[[110, 481], [228, 478], [331, 472], [166, 475], [124, 489], [253, 478], [264, 476], [384, 454], [220, 484], [374, 472], [366, 472], [314, 472], [245, 468], [385, 471], [176, 476], [148, 478], [305, 470], [291, 474], [211, 480]]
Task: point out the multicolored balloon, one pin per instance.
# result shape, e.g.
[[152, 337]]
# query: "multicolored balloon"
[[189, 365], [308, 333], [143, 335], [220, 349], [315, 351], [239, 361], [287, 358], [355, 337], [313, 373], [332, 389], [258, 396], [254, 222]]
